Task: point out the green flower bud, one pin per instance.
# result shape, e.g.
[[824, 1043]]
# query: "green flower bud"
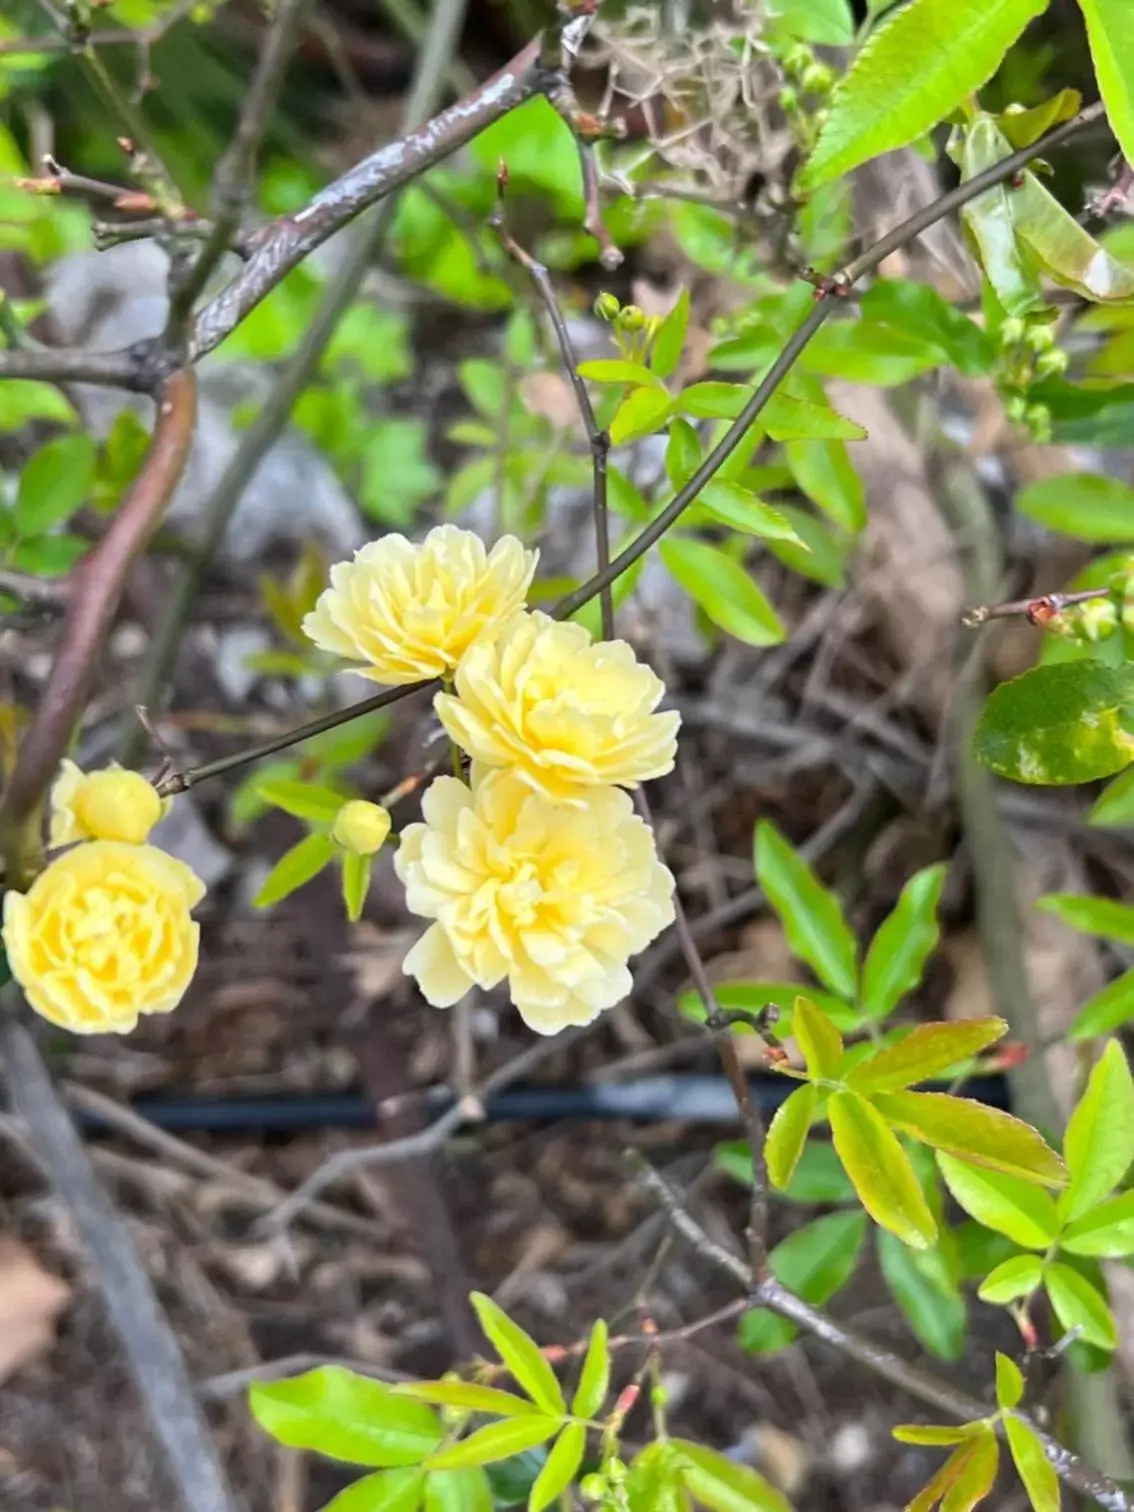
[[631, 318], [1038, 421], [1016, 409], [1040, 337], [789, 99], [607, 307], [1098, 619], [361, 827], [817, 78], [1051, 363], [1012, 331], [592, 1487]]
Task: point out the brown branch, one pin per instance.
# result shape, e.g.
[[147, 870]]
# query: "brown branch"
[[1037, 609], [96, 588], [768, 1292]]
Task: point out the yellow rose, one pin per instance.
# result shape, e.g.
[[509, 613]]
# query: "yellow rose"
[[409, 613], [565, 712], [361, 827], [109, 805], [553, 899], [103, 935]]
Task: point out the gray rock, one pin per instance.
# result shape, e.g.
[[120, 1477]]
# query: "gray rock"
[[184, 834]]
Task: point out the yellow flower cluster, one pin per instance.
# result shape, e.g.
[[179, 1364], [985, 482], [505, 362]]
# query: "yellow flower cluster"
[[537, 871], [104, 933]]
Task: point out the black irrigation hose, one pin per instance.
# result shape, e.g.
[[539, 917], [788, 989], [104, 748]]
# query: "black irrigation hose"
[[655, 1099]]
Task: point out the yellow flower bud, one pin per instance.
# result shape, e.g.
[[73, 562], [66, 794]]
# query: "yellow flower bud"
[[361, 827], [109, 805]]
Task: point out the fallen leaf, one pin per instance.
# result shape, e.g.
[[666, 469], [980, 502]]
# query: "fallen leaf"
[[31, 1299]]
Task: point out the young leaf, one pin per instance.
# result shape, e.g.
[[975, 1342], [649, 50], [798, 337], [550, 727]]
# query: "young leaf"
[[1023, 127], [468, 1395], [346, 1417], [904, 942], [1032, 1465], [53, 484], [1077, 1304], [974, 1132], [652, 1484], [304, 800], [722, 1485], [1106, 1011], [1009, 1381], [814, 923], [1057, 725], [1104, 1231], [388, 1491], [1089, 506], [295, 869], [880, 1170], [458, 1491], [594, 1380], [965, 1478], [614, 370], [819, 1041], [1004, 1203], [826, 474], [666, 353], [643, 411], [787, 1134], [926, 1051], [24, 399], [1011, 1279], [932, 1435], [1099, 1143], [496, 1442], [1097, 916], [1110, 30], [923, 61], [356, 883], [520, 1353], [919, 310], [742, 510], [723, 589], [561, 1468], [927, 1294]]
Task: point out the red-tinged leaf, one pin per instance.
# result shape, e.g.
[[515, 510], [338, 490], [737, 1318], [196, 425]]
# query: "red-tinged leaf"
[[787, 1134], [925, 1052], [880, 1170], [499, 1441], [520, 1353], [469, 1396], [974, 1132], [820, 1043], [1022, 1211], [1032, 1465], [1099, 1143]]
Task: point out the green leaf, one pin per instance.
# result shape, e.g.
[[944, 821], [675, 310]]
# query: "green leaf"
[[1098, 916], [388, 1491], [829, 23], [1011, 1279], [670, 339], [304, 800], [397, 474], [819, 1176], [904, 942], [1110, 31], [471, 1397], [643, 411], [1061, 248], [990, 226], [822, 553], [1077, 1304], [53, 484], [974, 1132], [458, 1491], [1023, 127], [814, 1263], [932, 1435], [787, 1134], [927, 1051], [784, 418], [1032, 1465], [861, 351], [819, 1041], [1099, 1143], [1010, 1206], [1057, 725], [682, 453], [652, 1484], [1105, 1231], [922, 61], [24, 399], [346, 1417], [722, 1485], [826, 474], [965, 1478], [919, 311], [617, 370], [927, 1295], [1009, 1381], [1106, 1010], [1114, 807], [740, 508], [723, 589], [561, 1468], [880, 1169], [813, 919], [49, 556], [754, 996], [512, 1479], [496, 1442], [1089, 506], [295, 869], [594, 1381], [355, 883], [520, 1353]]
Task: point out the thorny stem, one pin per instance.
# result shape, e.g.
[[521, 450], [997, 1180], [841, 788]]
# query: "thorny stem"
[[766, 1291]]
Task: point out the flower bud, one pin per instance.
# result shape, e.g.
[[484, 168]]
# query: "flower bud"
[[361, 827], [592, 1487], [1012, 331], [1038, 420], [1052, 363], [1040, 337], [631, 318], [789, 99], [1017, 409], [817, 78], [607, 307], [109, 805], [1098, 619]]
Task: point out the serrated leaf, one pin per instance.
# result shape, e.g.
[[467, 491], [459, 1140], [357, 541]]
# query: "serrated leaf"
[[616, 370], [904, 942], [826, 474], [498, 1441], [1077, 1304], [53, 484], [346, 1417], [520, 1353], [1025, 1213], [1009, 1381], [1011, 1279], [742, 510], [826, 22], [471, 1397], [783, 417], [304, 800], [926, 1293], [295, 869], [932, 1435], [594, 1381], [819, 1041], [670, 339], [388, 1491], [1106, 1011], [722, 1485], [641, 413], [1110, 31], [919, 310], [1057, 725], [974, 1132], [561, 1468], [1099, 1143], [927, 1051], [355, 883], [458, 1491], [1032, 1465], [813, 919], [1089, 506], [787, 1134], [922, 61], [1105, 1231], [880, 1170], [723, 589]]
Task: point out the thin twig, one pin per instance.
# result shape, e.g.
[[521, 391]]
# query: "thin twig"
[[148, 1343], [1042, 606]]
